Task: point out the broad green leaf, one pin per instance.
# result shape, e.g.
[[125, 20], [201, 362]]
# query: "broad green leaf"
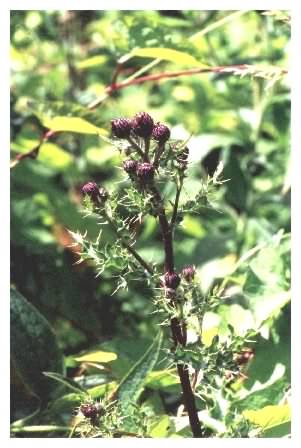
[[161, 379], [193, 227], [103, 389], [131, 386], [269, 416], [262, 393], [72, 124], [160, 426], [34, 347], [97, 356], [283, 430], [240, 318], [168, 54], [210, 327], [54, 156], [62, 408]]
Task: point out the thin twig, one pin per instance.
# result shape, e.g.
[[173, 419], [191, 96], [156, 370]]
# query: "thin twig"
[[33, 153], [137, 147], [176, 205], [165, 75]]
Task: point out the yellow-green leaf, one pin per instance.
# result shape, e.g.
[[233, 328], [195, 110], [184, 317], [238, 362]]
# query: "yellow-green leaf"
[[168, 54], [97, 356], [54, 156], [269, 416], [72, 124], [193, 227], [94, 61]]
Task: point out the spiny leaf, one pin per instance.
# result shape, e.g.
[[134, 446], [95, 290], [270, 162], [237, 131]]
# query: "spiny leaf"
[[131, 385], [34, 346]]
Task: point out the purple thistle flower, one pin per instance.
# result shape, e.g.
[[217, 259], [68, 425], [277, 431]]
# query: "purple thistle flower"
[[145, 172], [121, 127], [171, 280], [161, 133], [143, 124], [188, 273]]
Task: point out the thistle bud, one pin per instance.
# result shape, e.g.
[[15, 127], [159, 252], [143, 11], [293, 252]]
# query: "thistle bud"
[[121, 127], [188, 273], [161, 133], [130, 167], [145, 172], [96, 194], [143, 124], [89, 410], [171, 280]]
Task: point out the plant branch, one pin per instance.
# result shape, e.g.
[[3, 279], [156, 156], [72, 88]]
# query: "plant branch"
[[236, 69], [178, 331], [32, 153], [137, 147]]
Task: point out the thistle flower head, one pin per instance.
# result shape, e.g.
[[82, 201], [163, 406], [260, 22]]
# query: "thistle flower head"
[[96, 194], [121, 127], [171, 280], [130, 166], [143, 124], [145, 172], [91, 189], [161, 133], [89, 410], [188, 273]]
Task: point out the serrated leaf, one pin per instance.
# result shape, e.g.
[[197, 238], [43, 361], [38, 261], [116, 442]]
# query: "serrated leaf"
[[269, 416], [97, 356], [168, 54], [34, 347], [72, 124], [131, 386]]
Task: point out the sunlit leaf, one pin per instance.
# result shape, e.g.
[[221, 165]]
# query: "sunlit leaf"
[[168, 54], [269, 416], [97, 356], [93, 61], [72, 124]]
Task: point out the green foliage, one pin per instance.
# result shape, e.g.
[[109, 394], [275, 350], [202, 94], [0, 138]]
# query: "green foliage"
[[233, 223], [34, 347], [130, 387]]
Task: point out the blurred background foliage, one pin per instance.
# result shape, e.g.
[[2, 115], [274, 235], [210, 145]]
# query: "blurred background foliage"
[[63, 60]]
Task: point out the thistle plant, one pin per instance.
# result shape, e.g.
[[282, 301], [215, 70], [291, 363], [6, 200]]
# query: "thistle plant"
[[151, 161]]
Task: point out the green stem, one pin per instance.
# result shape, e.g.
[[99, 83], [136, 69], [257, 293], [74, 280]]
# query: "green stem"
[[137, 147], [176, 205]]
